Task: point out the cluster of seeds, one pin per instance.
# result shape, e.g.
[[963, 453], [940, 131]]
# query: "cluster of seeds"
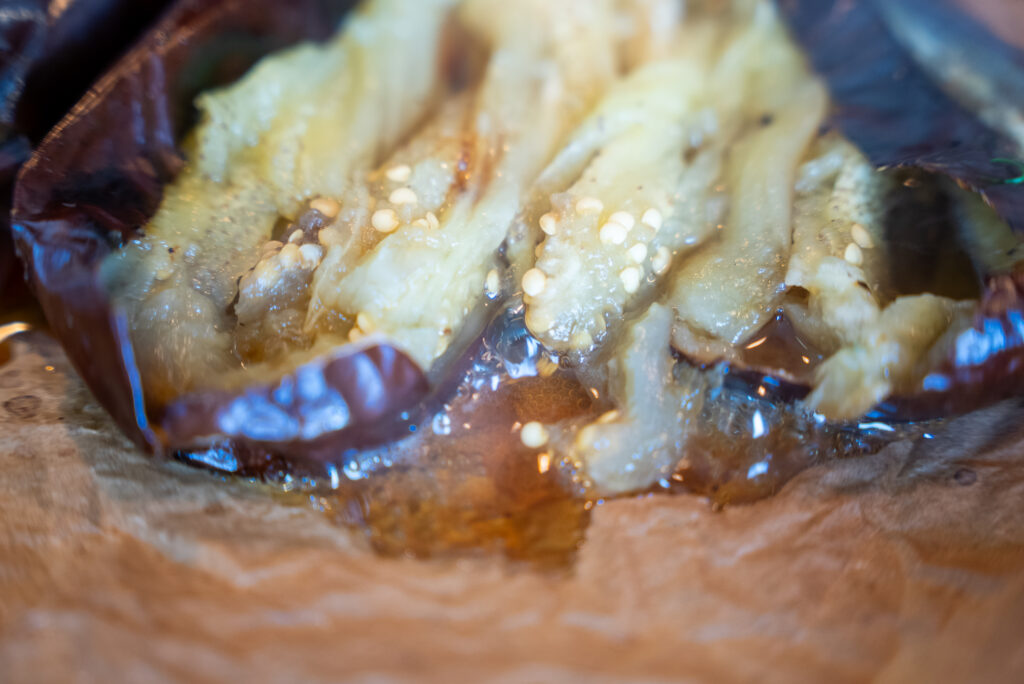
[[862, 240], [289, 263], [303, 248], [614, 232], [387, 219]]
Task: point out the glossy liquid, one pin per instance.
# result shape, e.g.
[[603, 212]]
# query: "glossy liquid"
[[467, 482], [463, 482]]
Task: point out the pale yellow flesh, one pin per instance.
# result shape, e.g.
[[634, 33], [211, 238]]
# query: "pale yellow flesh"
[[642, 131], [297, 126], [636, 445]]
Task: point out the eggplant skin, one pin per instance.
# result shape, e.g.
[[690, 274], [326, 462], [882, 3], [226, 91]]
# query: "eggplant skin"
[[986, 363], [50, 52], [13, 152], [349, 389], [886, 103], [99, 176], [54, 49]]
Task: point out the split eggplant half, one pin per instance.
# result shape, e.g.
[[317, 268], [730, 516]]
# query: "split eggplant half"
[[653, 198]]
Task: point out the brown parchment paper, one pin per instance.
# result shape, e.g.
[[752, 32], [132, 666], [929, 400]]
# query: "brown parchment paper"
[[907, 566]]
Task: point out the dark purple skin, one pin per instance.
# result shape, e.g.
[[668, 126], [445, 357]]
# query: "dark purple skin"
[[986, 363], [50, 53], [13, 152], [95, 181], [885, 102]]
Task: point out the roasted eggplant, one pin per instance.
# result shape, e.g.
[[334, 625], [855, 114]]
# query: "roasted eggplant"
[[620, 196]]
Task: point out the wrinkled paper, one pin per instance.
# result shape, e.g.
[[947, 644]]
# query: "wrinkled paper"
[[903, 566]]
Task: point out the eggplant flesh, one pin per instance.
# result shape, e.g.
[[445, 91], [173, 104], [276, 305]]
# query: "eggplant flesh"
[[661, 191]]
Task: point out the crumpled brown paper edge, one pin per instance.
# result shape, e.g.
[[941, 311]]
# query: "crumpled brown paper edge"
[[903, 566]]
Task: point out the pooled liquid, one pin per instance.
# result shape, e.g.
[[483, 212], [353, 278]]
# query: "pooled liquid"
[[463, 481], [468, 482]]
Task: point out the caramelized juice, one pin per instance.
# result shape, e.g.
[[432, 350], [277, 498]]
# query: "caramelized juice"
[[467, 482], [463, 482]]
